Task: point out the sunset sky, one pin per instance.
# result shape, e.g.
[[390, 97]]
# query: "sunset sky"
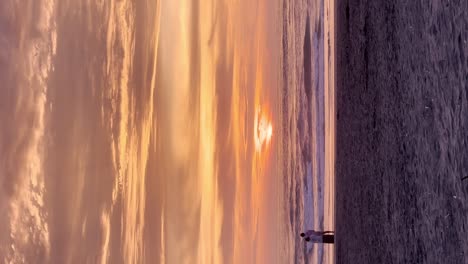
[[139, 131], [215, 61]]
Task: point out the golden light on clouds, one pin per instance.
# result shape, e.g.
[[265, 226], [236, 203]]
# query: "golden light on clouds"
[[151, 132]]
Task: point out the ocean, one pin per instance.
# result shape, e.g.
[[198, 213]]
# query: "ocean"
[[308, 126]]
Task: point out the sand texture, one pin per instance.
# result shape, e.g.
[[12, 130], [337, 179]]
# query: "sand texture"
[[402, 130]]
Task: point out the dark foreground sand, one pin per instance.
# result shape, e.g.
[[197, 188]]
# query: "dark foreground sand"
[[402, 131]]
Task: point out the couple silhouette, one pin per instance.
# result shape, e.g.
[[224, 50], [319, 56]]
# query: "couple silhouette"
[[327, 237]]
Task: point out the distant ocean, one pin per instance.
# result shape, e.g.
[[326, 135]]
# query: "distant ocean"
[[308, 135]]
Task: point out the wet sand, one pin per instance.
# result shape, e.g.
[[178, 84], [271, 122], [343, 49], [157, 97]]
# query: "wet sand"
[[402, 131]]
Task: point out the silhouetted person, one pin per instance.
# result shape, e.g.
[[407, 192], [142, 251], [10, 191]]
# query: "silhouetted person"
[[327, 237]]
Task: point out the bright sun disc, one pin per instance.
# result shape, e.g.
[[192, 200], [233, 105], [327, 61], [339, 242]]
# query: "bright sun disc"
[[263, 131]]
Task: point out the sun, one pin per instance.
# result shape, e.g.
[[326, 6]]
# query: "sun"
[[263, 131]]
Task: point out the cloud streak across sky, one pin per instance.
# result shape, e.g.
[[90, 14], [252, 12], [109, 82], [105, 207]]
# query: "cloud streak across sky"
[[28, 44]]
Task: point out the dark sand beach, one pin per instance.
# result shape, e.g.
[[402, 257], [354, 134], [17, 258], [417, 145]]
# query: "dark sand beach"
[[402, 131]]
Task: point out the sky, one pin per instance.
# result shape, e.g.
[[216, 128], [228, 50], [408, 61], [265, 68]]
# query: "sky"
[[135, 131], [213, 85]]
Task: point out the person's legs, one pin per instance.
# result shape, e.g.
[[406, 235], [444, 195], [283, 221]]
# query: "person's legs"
[[329, 239]]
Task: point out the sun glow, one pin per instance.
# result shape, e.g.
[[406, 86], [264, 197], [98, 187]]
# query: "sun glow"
[[263, 131]]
